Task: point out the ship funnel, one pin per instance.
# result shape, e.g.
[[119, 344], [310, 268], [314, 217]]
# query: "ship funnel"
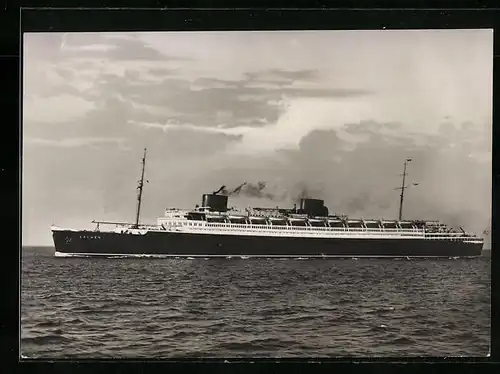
[[215, 202], [313, 208]]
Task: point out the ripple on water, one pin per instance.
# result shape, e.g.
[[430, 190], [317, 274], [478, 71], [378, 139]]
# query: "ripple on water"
[[168, 308], [45, 339]]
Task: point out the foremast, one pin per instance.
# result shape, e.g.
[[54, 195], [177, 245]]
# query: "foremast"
[[139, 188]]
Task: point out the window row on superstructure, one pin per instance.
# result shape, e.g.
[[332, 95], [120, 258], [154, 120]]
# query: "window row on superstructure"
[[208, 225]]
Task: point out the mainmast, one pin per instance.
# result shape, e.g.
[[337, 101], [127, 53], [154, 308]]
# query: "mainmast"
[[402, 188], [139, 187]]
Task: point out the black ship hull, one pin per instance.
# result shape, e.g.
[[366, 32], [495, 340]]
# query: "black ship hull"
[[96, 243]]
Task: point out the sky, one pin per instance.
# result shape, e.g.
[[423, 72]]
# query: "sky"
[[327, 114]]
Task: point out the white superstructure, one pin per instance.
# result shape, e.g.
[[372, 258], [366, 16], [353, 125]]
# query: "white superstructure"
[[243, 224]]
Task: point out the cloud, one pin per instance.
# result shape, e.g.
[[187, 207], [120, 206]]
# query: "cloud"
[[55, 109], [77, 142], [284, 76], [114, 48], [98, 67], [209, 82], [90, 47], [201, 101], [162, 71], [142, 51], [358, 178], [230, 131], [301, 117], [119, 35], [360, 183]]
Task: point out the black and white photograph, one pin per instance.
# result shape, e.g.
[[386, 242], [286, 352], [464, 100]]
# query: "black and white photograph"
[[256, 194]]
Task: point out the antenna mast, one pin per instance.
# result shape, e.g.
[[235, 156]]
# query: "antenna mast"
[[139, 187]]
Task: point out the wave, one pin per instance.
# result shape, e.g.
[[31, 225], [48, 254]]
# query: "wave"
[[303, 318], [382, 310], [403, 340], [424, 332], [48, 324], [379, 328], [256, 344], [46, 339], [254, 308]]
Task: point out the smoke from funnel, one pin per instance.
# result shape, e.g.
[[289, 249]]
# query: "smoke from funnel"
[[222, 189], [237, 190], [305, 192], [256, 190]]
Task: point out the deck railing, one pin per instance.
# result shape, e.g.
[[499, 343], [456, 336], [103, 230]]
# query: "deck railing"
[[203, 226]]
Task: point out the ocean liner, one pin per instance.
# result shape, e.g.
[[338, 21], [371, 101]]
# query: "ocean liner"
[[304, 231]]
